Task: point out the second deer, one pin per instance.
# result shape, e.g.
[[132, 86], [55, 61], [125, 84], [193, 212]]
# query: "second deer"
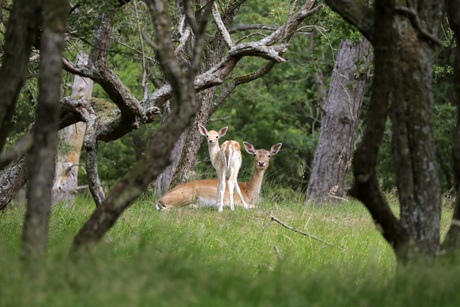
[[226, 158]]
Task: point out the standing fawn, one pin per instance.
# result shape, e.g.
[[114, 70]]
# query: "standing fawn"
[[226, 158], [204, 192]]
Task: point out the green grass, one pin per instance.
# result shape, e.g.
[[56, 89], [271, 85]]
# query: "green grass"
[[197, 257]]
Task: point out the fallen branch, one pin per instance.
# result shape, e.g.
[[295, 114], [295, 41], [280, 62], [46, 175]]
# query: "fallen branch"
[[272, 218]]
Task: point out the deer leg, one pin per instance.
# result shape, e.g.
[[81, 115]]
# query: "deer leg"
[[238, 191], [233, 178], [221, 191], [231, 187]]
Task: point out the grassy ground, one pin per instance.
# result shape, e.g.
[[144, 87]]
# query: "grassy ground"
[[197, 257]]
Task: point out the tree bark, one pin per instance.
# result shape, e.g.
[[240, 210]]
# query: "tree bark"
[[157, 155], [40, 172], [338, 124], [414, 154], [23, 26], [193, 140], [163, 181], [12, 179], [403, 39], [452, 240], [71, 138]]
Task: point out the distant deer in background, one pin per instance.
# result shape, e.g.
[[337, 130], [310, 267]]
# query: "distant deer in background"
[[205, 192], [226, 158]]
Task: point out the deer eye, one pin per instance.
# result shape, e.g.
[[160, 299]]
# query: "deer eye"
[[269, 156], [254, 155], [217, 137]]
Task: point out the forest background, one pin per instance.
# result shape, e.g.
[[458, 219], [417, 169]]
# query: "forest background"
[[282, 106]]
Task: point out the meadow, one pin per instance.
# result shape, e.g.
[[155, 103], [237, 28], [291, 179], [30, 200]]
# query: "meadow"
[[197, 257]]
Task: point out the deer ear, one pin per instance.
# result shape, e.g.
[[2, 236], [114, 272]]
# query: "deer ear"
[[223, 131], [202, 130], [249, 148], [275, 148]]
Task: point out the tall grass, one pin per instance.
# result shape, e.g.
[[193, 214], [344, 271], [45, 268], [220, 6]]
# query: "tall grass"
[[197, 257]]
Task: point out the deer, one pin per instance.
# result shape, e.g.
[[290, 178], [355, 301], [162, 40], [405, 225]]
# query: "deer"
[[224, 158], [204, 192]]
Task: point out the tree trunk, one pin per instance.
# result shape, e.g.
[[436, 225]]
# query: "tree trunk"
[[413, 136], [23, 26], [452, 240], [366, 186], [403, 39], [193, 139], [41, 159], [157, 155], [12, 179], [338, 124], [71, 138], [163, 181]]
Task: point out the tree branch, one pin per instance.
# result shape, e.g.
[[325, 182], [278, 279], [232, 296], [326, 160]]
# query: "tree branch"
[[157, 155], [272, 218], [90, 143], [220, 25]]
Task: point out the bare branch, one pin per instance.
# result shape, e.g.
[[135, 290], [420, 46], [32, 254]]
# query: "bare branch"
[[221, 26], [190, 16], [241, 80], [289, 27], [241, 28], [106, 78], [90, 143], [185, 36], [143, 57], [200, 39], [272, 218]]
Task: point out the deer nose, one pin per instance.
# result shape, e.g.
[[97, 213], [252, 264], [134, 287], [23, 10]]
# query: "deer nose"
[[261, 163]]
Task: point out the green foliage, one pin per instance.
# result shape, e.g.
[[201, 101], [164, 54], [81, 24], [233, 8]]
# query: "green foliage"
[[198, 257]]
